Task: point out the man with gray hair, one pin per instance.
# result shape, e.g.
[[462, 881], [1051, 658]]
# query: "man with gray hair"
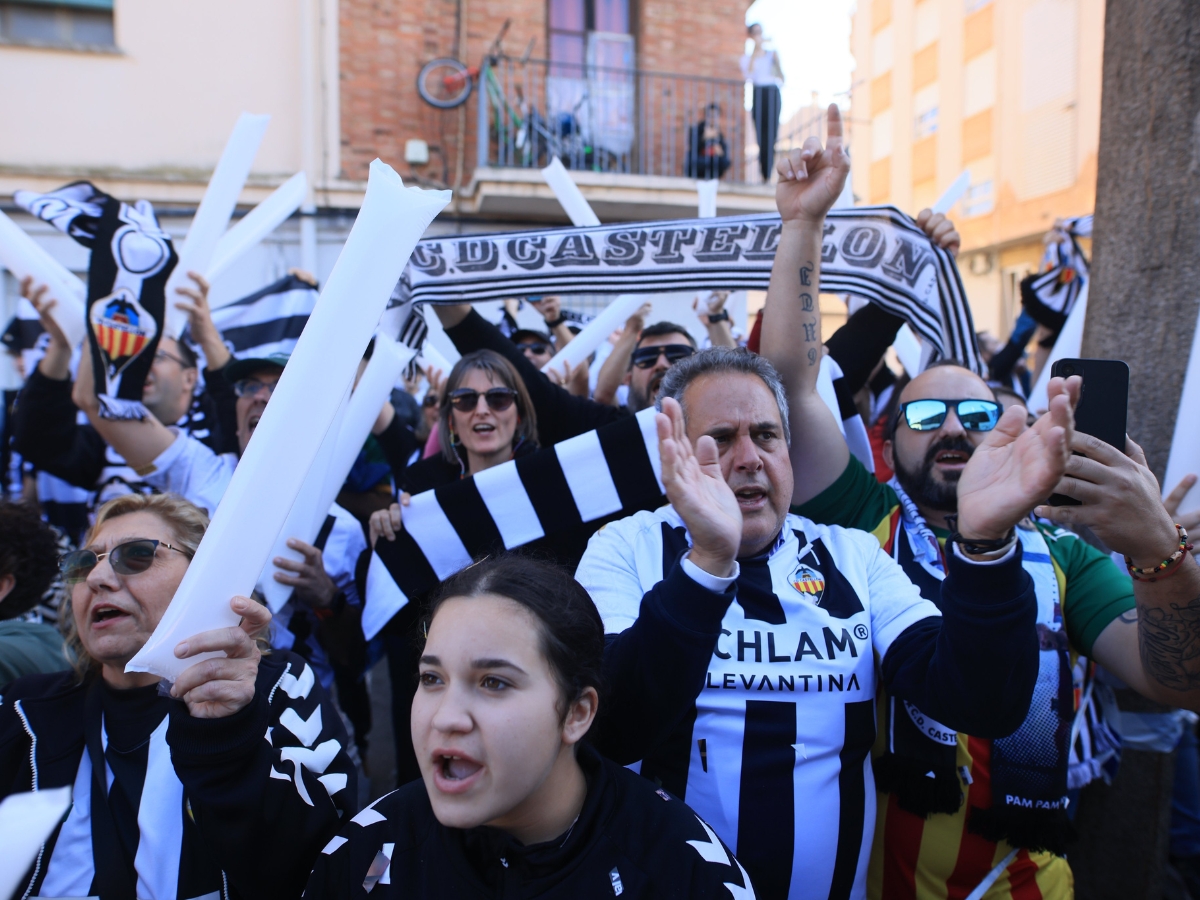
[[744, 640]]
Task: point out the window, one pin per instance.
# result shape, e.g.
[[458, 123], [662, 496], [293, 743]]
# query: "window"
[[881, 136], [570, 21], [980, 87], [925, 112], [979, 199], [926, 26], [66, 23], [882, 51]]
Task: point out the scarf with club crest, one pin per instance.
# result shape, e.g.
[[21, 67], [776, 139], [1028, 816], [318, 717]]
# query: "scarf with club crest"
[[132, 257]]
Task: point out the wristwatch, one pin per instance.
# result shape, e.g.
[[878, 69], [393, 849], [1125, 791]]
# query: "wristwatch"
[[562, 317], [722, 316]]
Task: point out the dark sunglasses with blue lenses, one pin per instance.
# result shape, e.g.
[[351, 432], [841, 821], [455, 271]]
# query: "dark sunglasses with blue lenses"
[[928, 415]]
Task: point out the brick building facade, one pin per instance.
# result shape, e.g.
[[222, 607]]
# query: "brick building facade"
[[384, 43]]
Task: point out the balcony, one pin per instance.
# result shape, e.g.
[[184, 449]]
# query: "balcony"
[[634, 140]]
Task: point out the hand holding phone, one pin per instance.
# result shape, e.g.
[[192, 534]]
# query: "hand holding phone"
[[1103, 403]]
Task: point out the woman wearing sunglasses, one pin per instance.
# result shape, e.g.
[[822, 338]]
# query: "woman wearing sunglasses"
[[176, 793], [512, 800]]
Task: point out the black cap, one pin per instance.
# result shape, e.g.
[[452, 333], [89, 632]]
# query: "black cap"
[[525, 334], [237, 369]]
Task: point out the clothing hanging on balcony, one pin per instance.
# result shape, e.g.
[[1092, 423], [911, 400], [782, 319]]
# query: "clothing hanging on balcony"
[[874, 252]]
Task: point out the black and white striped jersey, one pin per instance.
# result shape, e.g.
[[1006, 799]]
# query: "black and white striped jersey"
[[775, 753]]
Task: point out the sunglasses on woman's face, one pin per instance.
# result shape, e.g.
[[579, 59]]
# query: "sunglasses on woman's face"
[[645, 357], [538, 349], [973, 415], [498, 399], [128, 558], [430, 400]]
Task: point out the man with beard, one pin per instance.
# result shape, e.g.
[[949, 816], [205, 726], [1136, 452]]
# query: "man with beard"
[[560, 414], [963, 814]]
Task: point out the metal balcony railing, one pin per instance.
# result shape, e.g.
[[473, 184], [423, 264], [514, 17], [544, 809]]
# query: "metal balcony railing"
[[616, 120]]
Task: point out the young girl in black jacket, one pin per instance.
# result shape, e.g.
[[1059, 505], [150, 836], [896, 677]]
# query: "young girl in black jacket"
[[513, 803]]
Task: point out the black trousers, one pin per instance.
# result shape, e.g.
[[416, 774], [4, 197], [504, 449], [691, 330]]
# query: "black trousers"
[[767, 104]]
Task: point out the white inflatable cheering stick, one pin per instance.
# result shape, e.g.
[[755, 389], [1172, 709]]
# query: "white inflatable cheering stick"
[[277, 460]]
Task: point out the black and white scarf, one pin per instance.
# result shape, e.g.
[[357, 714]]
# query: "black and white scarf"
[[875, 252], [1028, 769], [132, 257], [561, 492], [267, 322], [1050, 296]]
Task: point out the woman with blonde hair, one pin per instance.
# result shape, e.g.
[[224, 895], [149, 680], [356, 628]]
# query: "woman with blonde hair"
[[226, 783]]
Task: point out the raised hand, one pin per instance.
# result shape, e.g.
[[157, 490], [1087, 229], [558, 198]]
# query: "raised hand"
[[940, 230], [1017, 467], [1190, 521], [698, 492], [219, 687], [386, 522], [200, 323], [313, 585], [811, 178], [1119, 498], [56, 363]]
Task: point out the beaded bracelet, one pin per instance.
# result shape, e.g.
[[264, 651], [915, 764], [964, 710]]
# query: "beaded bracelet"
[[1153, 573]]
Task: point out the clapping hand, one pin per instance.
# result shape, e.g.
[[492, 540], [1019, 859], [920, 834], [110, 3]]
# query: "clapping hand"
[[811, 178], [698, 492], [221, 686], [1017, 467]]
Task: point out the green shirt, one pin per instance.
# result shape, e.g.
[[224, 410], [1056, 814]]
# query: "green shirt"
[[1093, 590], [28, 648]]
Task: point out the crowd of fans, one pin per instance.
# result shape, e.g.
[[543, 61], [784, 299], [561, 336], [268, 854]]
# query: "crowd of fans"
[[806, 674]]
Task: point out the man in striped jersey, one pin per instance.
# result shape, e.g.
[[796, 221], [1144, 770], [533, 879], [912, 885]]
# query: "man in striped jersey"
[[968, 815], [747, 645]]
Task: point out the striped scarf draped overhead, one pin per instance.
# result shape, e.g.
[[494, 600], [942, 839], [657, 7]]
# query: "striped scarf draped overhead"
[[875, 252]]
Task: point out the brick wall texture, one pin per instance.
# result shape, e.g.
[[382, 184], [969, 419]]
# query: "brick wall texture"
[[384, 43]]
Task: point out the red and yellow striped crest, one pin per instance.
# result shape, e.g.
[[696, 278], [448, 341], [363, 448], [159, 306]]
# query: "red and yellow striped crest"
[[123, 328], [808, 581]]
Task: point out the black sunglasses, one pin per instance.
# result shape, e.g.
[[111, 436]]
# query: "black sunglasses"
[[536, 349], [498, 399], [431, 399], [128, 558], [645, 357], [928, 415]]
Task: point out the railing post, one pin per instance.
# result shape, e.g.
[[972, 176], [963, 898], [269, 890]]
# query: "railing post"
[[481, 118]]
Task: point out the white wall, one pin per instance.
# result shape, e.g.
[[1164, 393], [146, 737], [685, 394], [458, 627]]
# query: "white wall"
[[166, 100]]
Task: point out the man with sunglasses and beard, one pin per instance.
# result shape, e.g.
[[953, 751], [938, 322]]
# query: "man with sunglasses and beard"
[[963, 815]]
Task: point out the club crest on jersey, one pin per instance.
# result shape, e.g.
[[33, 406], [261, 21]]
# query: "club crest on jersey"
[[123, 328], [809, 582]]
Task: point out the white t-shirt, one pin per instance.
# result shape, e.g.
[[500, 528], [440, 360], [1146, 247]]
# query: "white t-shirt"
[[789, 693], [761, 71]]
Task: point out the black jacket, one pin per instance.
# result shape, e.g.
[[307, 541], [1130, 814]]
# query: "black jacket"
[[47, 434], [245, 777], [631, 840], [560, 414]]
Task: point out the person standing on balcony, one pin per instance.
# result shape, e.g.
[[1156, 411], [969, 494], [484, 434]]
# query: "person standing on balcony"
[[761, 67]]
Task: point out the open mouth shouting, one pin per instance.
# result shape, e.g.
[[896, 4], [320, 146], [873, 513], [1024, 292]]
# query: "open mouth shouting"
[[950, 456], [751, 498], [483, 428], [454, 772], [105, 615]]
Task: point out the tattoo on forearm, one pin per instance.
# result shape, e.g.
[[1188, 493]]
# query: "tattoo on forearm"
[[810, 331], [806, 271], [812, 356], [806, 303], [1169, 640]]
